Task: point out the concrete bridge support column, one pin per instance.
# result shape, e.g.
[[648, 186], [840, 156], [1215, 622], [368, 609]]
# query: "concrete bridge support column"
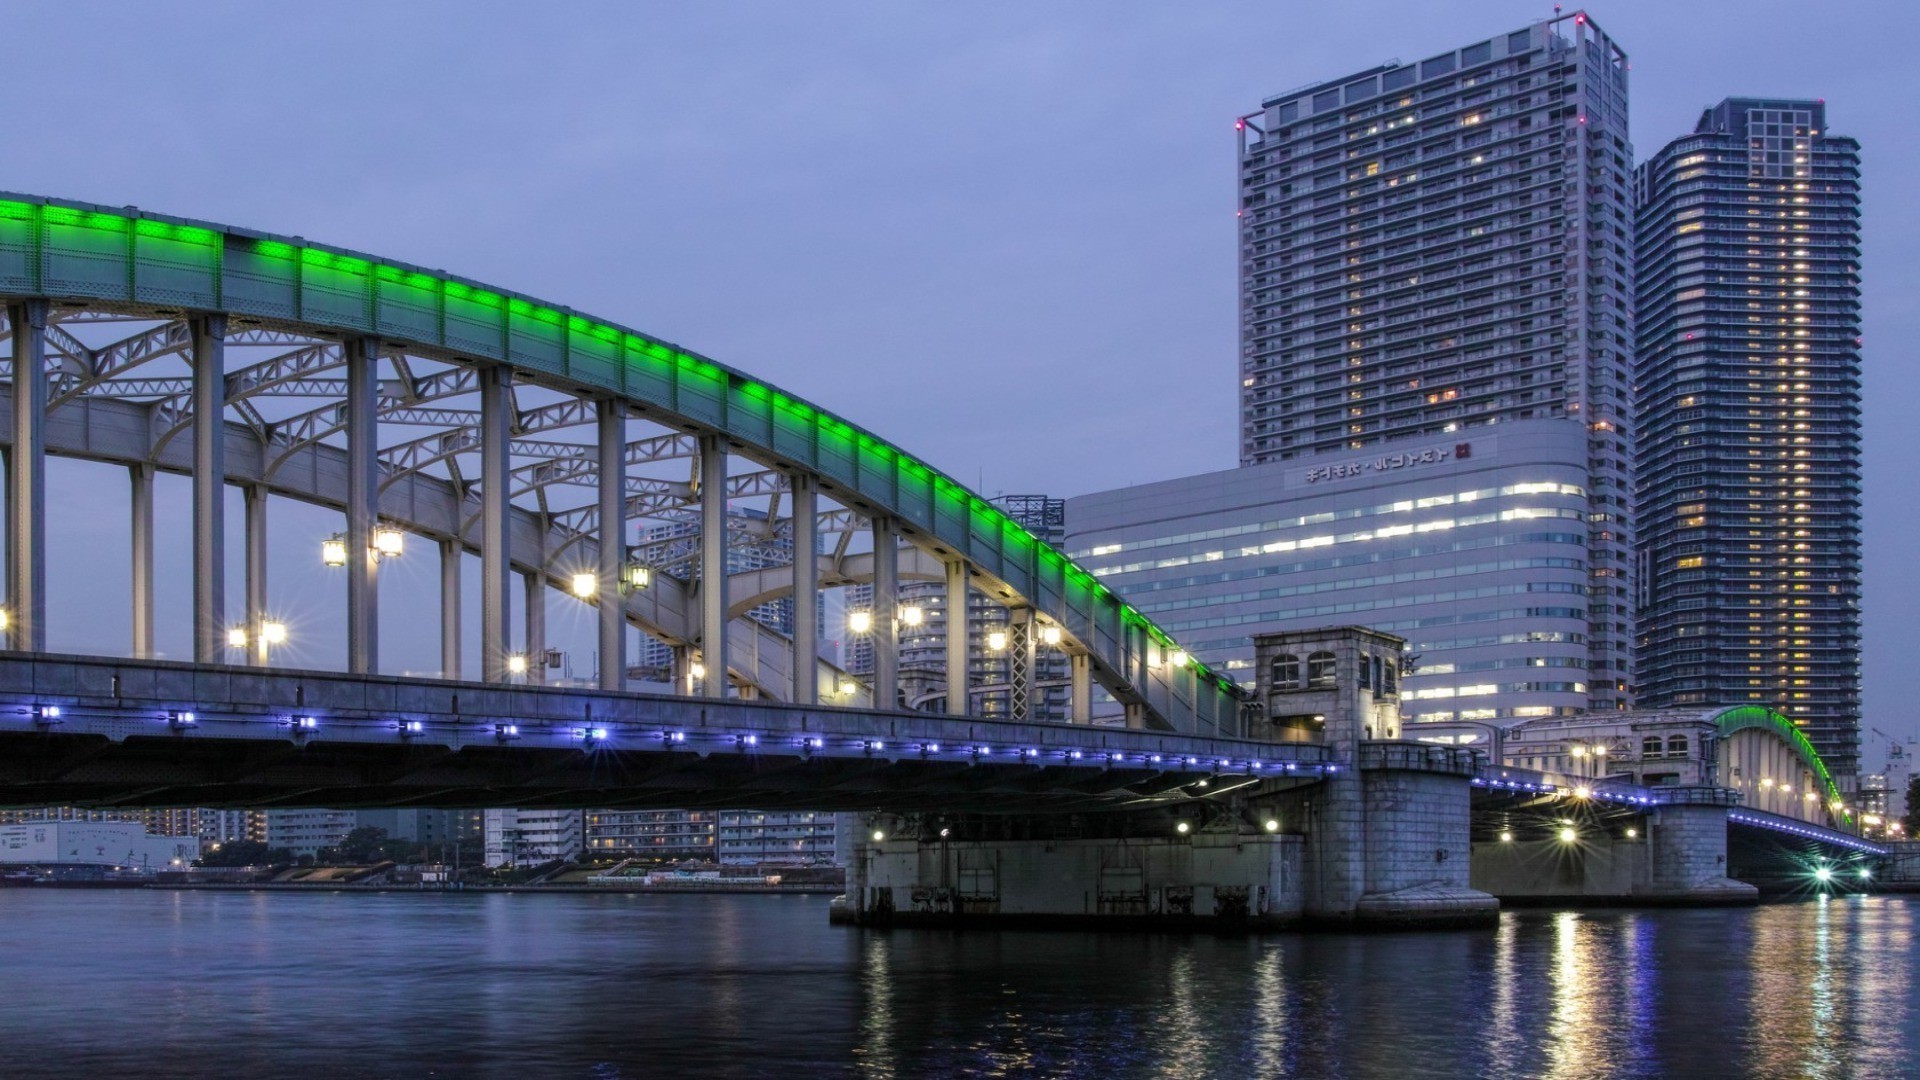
[[209, 337], [713, 565], [535, 614], [256, 529], [613, 544], [142, 476], [363, 493], [1689, 863], [959, 640], [450, 554], [496, 428], [806, 589], [886, 611]]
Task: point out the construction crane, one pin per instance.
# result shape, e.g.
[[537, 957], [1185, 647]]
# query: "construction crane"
[[1896, 751]]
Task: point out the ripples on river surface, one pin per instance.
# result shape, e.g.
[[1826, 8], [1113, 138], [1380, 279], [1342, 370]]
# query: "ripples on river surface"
[[152, 983]]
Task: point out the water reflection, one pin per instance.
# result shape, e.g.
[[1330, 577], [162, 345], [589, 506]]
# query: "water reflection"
[[762, 987]]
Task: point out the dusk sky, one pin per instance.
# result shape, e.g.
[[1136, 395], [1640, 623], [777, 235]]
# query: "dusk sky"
[[1000, 235]]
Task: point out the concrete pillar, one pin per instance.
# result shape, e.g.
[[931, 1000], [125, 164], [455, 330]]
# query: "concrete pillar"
[[363, 492], [209, 336], [450, 553], [536, 629], [613, 543], [496, 428], [142, 477], [713, 565], [1080, 698], [959, 640], [806, 590], [886, 598], [256, 530], [1689, 853]]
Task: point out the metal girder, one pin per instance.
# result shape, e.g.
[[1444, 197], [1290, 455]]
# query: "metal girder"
[[102, 365]]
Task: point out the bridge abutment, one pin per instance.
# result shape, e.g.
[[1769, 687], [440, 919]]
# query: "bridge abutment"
[[1387, 844], [1675, 854]]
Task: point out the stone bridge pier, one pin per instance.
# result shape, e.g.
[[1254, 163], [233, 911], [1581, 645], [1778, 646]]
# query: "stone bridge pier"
[[1672, 853]]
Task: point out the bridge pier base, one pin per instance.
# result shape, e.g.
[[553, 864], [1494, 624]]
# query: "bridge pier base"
[[1387, 844], [1207, 881], [1675, 854]]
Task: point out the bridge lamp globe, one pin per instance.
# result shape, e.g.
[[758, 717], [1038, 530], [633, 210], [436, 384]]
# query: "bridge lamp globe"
[[1577, 751], [273, 633], [912, 615], [878, 836], [847, 688], [1568, 835], [585, 585], [1050, 635], [516, 663], [333, 550], [1272, 825], [1183, 828], [1632, 833], [1506, 838], [237, 637], [1823, 874], [1178, 658], [1583, 792], [698, 671], [636, 576], [388, 542], [997, 640], [859, 622]]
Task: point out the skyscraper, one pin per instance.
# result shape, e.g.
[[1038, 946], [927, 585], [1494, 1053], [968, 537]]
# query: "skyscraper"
[[1749, 401], [1437, 247]]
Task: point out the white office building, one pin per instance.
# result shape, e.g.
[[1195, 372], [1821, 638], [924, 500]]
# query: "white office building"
[[1471, 545]]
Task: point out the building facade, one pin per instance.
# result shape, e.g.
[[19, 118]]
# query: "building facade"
[[306, 832], [1749, 404], [525, 837], [1429, 249], [1471, 545]]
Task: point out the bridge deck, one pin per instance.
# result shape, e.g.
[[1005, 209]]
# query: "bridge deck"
[[157, 733]]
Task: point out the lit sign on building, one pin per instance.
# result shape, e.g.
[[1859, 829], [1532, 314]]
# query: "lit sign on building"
[[1432, 455]]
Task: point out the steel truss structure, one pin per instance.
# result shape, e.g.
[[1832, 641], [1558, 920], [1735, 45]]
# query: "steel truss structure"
[[535, 437]]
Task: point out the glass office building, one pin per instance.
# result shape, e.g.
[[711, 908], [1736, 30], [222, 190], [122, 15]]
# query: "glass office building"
[[1472, 545], [1749, 403]]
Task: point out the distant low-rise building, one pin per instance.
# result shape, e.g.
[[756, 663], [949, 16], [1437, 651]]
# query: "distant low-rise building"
[[114, 844]]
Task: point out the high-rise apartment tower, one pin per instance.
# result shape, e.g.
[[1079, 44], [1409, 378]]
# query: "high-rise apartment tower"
[[1435, 247], [1749, 401]]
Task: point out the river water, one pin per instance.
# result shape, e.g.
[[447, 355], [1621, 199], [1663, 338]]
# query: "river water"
[[146, 983]]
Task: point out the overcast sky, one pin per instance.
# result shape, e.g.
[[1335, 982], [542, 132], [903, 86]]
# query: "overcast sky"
[[998, 234]]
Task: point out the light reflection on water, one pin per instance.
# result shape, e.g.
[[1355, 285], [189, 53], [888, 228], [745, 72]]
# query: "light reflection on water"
[[135, 984]]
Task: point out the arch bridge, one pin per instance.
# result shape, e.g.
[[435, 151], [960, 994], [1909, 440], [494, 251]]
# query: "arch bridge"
[[658, 485]]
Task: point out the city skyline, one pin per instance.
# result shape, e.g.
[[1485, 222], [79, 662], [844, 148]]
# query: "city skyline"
[[1175, 203]]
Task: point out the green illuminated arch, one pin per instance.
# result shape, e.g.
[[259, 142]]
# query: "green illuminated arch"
[[65, 251], [1759, 717]]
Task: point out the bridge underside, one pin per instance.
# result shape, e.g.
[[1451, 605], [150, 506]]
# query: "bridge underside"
[[85, 731]]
